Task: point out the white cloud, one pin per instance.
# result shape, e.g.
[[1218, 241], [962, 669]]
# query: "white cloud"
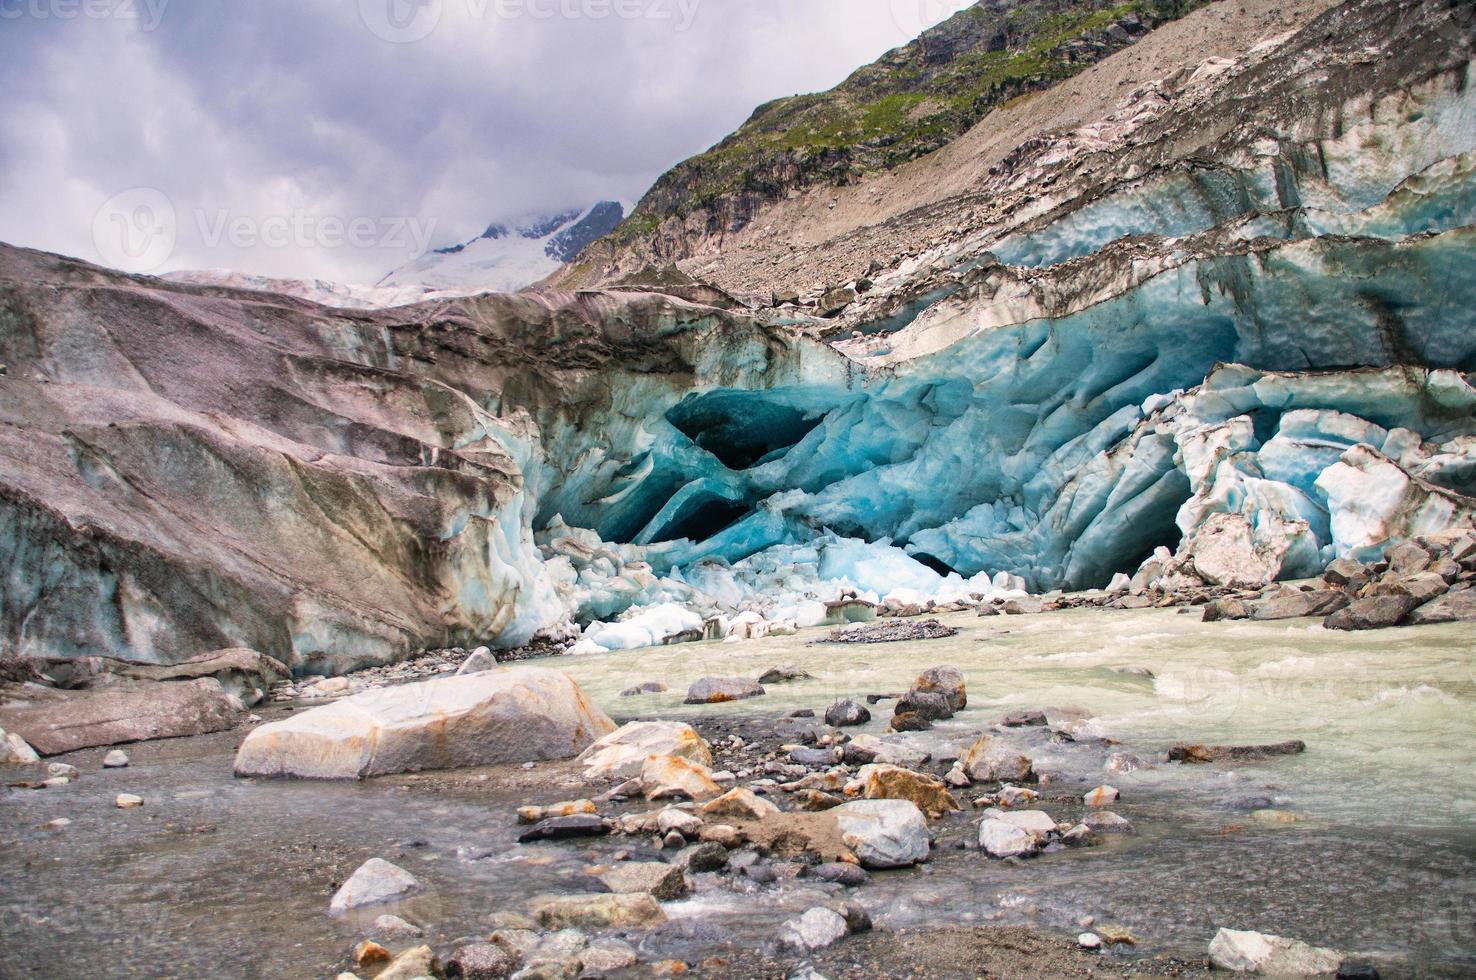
[[276, 128]]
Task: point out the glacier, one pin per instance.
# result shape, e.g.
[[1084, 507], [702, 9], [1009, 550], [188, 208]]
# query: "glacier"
[[1185, 352]]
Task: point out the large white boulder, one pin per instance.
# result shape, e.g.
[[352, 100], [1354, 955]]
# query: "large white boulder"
[[884, 833], [622, 753], [516, 714], [1256, 952]]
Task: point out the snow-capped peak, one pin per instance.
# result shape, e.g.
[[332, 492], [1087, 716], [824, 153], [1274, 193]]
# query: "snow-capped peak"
[[510, 255]]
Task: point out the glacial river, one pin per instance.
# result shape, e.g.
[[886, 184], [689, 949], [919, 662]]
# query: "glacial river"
[[1373, 850]]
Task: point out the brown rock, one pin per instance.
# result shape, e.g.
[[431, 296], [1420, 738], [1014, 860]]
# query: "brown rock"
[[739, 804], [1234, 753], [884, 782], [1372, 612], [370, 953], [948, 681], [132, 713]]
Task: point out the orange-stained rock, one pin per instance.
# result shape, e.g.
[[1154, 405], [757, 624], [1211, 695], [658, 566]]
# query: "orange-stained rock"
[[883, 782], [672, 777]]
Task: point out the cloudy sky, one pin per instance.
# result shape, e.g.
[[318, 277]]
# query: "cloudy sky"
[[335, 138]]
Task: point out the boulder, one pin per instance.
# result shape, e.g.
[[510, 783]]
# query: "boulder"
[[1234, 753], [987, 761], [1107, 822], [663, 882], [136, 712], [673, 777], [948, 681], [870, 748], [15, 752], [815, 929], [1453, 607], [561, 828], [846, 713], [739, 804], [1255, 952], [374, 883], [884, 833], [1372, 612], [537, 814], [1226, 607], [622, 753], [413, 964], [480, 961], [598, 912], [1005, 840], [1035, 822], [513, 714], [1297, 605], [784, 673], [879, 781], [835, 300], [605, 957], [645, 687], [928, 705], [1346, 572], [1421, 587], [716, 690], [481, 659]]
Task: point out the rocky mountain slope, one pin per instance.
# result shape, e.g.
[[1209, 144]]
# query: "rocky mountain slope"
[[1217, 330], [907, 104]]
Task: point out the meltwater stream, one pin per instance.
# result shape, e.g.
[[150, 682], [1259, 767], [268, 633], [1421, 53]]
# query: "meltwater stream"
[[222, 877]]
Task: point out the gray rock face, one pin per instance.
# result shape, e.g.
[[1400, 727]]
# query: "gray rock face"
[[515, 714], [714, 690], [846, 713], [375, 883], [884, 833], [67, 721]]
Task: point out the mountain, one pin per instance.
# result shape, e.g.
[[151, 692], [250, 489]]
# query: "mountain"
[[510, 256], [911, 102]]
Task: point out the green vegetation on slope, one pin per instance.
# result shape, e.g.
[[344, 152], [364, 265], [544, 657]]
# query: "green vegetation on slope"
[[912, 101]]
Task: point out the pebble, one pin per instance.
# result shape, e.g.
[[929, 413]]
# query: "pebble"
[[116, 759], [394, 927], [1089, 940], [127, 801], [1101, 796], [62, 769]]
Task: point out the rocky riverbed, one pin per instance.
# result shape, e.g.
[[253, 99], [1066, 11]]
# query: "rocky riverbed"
[[217, 875]]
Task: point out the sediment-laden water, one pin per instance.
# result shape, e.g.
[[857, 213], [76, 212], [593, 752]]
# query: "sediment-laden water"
[[222, 877]]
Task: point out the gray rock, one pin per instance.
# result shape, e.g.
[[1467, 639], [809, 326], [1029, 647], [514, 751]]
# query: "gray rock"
[[1107, 822], [815, 929], [1373, 612], [715, 690], [1023, 719], [391, 927], [67, 721], [1453, 607], [841, 873], [15, 752], [1421, 587], [1002, 839], [606, 957], [846, 713], [514, 714], [835, 300], [884, 833], [816, 757], [480, 660], [374, 883], [480, 961], [948, 681], [784, 673], [559, 828], [664, 882], [1407, 558], [1255, 952], [707, 856], [929, 705], [116, 759], [1298, 605], [1346, 571], [646, 687]]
